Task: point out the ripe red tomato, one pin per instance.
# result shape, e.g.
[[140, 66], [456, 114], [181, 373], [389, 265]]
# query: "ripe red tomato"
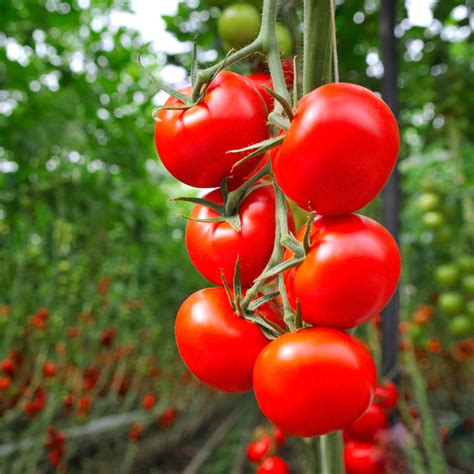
[[217, 346], [257, 450], [279, 436], [366, 427], [349, 274], [363, 458], [273, 465], [339, 150], [213, 246], [386, 395], [326, 378], [193, 144], [261, 80]]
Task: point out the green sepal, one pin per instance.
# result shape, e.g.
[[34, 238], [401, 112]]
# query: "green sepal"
[[270, 144], [262, 300], [237, 284], [228, 292], [194, 62], [298, 316], [269, 329], [282, 101], [203, 202], [307, 233], [295, 84], [185, 99]]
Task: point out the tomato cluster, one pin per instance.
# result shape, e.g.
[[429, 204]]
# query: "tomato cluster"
[[263, 449], [362, 453], [451, 287], [309, 376]]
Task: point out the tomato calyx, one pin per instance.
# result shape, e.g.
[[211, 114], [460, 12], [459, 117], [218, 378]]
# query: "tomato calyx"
[[258, 149], [250, 311]]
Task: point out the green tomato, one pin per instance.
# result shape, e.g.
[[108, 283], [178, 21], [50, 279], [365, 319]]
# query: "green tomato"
[[451, 302], [429, 202], [433, 219], [429, 185], [465, 263], [447, 275], [468, 284], [285, 42], [239, 24], [461, 326], [470, 309]]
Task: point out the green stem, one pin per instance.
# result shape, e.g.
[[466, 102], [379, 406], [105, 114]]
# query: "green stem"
[[431, 439], [265, 42], [317, 44], [325, 455], [337, 447]]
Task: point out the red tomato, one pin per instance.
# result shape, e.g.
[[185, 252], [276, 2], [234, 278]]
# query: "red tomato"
[[366, 427], [261, 80], [314, 381], [193, 144], [279, 436], [273, 465], [349, 274], [386, 395], [339, 150], [216, 245], [363, 458], [257, 450], [217, 346]]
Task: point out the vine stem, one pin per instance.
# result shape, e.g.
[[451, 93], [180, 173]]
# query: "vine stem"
[[335, 59], [265, 42]]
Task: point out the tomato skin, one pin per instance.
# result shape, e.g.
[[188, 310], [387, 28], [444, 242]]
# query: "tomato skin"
[[257, 450], [193, 143], [339, 150], [216, 245], [261, 80], [273, 465], [349, 274], [363, 458], [295, 364], [279, 435], [366, 426], [217, 346], [386, 395]]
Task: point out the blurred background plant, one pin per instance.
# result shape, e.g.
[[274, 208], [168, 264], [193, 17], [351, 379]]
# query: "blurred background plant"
[[93, 267]]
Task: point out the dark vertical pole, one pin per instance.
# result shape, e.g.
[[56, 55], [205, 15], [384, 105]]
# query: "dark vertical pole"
[[391, 194]]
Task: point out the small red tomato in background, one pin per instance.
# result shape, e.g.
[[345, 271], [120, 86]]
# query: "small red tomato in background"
[[193, 144], [327, 378], [339, 150], [259, 449], [363, 458], [349, 274], [213, 246], [216, 345], [49, 369], [261, 80], [273, 465], [366, 426], [167, 418], [279, 436], [386, 395]]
